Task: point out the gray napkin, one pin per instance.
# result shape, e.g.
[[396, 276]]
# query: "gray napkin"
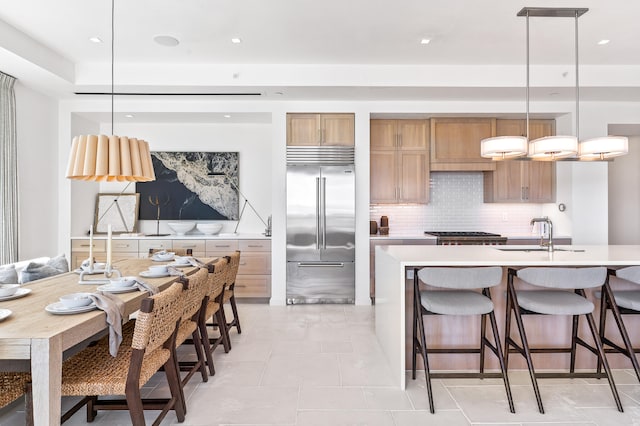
[[113, 306], [197, 262], [174, 271], [144, 286]]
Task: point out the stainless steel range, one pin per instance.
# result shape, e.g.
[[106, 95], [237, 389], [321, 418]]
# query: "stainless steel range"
[[467, 238]]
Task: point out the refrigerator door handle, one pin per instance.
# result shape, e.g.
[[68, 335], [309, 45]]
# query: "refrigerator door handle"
[[324, 213], [320, 264], [317, 213]]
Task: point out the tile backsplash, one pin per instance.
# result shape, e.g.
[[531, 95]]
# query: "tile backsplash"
[[456, 204]]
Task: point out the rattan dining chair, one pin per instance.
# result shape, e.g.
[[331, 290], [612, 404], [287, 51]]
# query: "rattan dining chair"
[[619, 303], [14, 385], [233, 261], [94, 372], [456, 295], [213, 308], [563, 295]]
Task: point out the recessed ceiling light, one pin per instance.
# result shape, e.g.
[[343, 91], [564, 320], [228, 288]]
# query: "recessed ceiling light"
[[166, 40], [129, 115], [603, 41], [227, 116], [425, 41], [95, 39], [236, 40]]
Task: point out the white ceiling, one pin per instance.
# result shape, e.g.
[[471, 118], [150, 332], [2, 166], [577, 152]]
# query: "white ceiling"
[[293, 49]]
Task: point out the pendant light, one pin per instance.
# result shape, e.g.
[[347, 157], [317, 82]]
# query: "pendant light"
[[109, 157], [552, 148]]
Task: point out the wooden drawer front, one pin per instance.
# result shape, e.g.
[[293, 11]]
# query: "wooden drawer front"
[[124, 246], [83, 245], [227, 246], [253, 286], [197, 246], [254, 263], [145, 245], [254, 245]]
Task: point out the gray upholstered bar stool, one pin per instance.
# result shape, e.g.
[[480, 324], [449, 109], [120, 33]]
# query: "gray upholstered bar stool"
[[457, 295], [627, 302], [565, 297]]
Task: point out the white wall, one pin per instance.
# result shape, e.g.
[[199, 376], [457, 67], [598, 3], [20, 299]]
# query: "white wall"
[[37, 123], [624, 195]]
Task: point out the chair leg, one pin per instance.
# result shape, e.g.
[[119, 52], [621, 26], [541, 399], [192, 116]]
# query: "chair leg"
[[507, 331], [91, 410], [483, 339], [574, 342], [525, 345], [198, 346], [204, 338], [499, 353], [603, 319], [221, 319], [172, 374], [135, 406], [608, 293], [28, 404], [601, 355], [425, 359]]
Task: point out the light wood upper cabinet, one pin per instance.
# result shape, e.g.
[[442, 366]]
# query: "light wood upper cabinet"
[[517, 181], [455, 143], [399, 166], [320, 129]]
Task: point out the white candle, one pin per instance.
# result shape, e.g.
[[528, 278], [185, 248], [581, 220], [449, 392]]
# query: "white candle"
[[109, 245], [91, 246]]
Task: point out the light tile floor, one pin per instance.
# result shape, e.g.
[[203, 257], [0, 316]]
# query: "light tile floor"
[[322, 365]]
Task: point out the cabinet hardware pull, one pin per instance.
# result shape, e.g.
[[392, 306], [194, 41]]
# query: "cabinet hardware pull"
[[240, 285], [221, 245], [255, 245], [187, 245], [243, 263]]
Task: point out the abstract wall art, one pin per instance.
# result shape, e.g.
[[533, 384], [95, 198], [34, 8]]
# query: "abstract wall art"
[[185, 190]]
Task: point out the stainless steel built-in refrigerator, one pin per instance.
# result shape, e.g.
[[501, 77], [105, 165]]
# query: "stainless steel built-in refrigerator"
[[320, 225]]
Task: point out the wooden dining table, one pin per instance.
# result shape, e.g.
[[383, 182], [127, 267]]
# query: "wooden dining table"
[[35, 340]]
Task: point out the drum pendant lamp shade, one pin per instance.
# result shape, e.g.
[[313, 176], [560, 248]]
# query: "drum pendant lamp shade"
[[110, 159], [503, 147]]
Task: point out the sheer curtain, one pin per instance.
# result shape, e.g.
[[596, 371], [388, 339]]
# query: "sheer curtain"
[[8, 172]]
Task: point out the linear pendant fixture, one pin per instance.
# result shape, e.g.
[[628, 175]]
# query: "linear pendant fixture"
[[553, 148]]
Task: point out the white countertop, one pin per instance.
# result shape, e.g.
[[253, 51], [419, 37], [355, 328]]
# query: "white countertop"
[[493, 256], [222, 236], [422, 236]]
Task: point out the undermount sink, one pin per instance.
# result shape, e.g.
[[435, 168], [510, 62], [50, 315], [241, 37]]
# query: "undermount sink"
[[539, 249]]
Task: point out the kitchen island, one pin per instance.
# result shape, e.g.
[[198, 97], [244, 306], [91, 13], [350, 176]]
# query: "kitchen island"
[[394, 292]]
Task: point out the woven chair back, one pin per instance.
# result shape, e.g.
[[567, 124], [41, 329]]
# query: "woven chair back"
[[154, 328], [195, 292], [232, 268], [218, 278]]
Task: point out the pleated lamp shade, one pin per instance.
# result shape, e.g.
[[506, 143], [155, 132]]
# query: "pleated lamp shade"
[[110, 158]]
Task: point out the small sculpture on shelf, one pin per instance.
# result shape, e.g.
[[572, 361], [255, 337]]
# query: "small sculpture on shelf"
[[156, 201]]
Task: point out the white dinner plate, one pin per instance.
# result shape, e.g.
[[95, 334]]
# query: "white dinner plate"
[[4, 313], [149, 274], [116, 289], [58, 308], [20, 293]]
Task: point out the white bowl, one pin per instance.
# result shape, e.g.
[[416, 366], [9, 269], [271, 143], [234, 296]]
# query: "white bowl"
[[165, 256], [181, 228], [181, 260], [8, 289], [209, 228], [75, 300], [158, 270], [123, 281]]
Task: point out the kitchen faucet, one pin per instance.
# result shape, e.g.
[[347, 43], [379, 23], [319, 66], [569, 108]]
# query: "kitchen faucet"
[[545, 219]]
